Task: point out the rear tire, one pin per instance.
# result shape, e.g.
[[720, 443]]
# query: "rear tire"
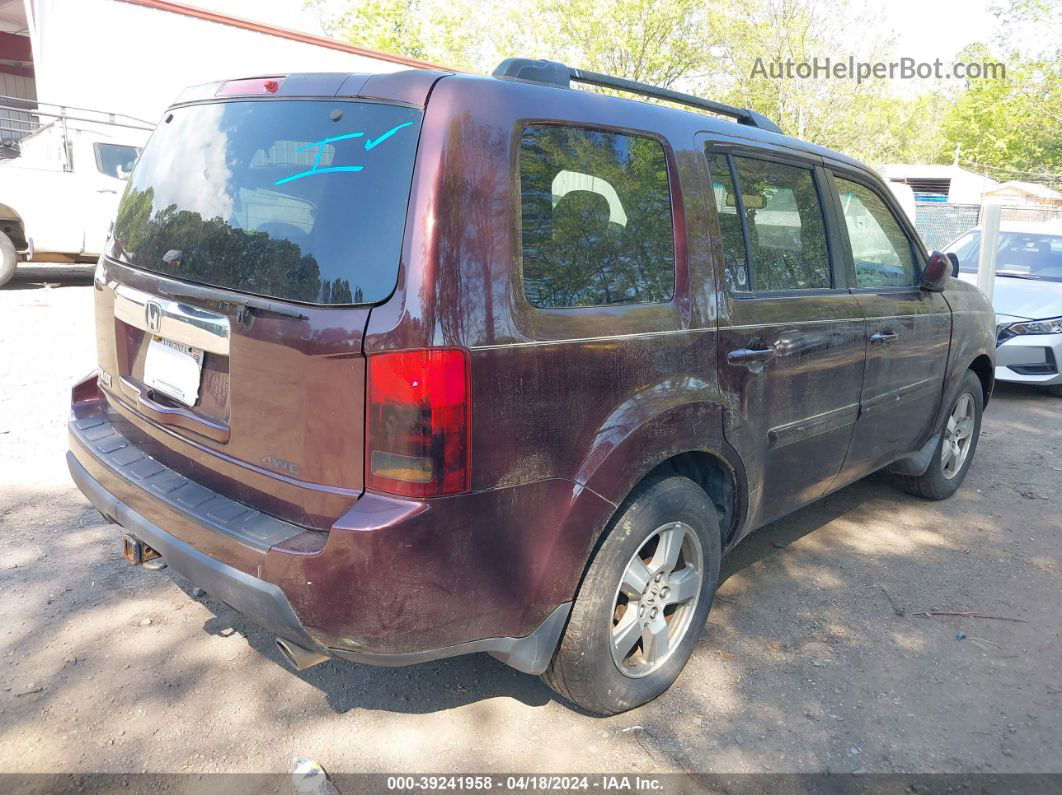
[[663, 544], [955, 451], [8, 259]]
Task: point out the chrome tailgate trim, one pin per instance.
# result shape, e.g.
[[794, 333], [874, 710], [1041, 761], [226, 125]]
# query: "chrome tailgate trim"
[[190, 325]]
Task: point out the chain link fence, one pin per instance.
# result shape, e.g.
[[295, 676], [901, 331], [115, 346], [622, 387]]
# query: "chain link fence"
[[939, 224], [1030, 214]]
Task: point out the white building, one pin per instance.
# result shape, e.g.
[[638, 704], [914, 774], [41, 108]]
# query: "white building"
[[16, 67], [934, 183], [1025, 194], [134, 56]]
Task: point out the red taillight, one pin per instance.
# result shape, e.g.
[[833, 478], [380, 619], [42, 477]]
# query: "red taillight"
[[253, 85], [418, 422]]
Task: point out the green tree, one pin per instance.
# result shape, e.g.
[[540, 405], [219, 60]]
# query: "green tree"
[[1010, 127], [864, 119], [712, 49], [638, 39], [453, 33], [663, 43]]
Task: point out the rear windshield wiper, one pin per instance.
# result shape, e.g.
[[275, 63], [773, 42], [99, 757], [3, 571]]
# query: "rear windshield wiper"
[[229, 297]]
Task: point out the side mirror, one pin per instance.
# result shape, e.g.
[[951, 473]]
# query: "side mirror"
[[954, 264], [935, 276]]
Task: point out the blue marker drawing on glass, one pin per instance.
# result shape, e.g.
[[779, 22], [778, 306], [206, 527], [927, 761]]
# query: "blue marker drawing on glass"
[[320, 151], [370, 143], [314, 169]]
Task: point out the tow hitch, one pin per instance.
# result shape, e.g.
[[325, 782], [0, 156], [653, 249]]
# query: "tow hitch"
[[138, 553]]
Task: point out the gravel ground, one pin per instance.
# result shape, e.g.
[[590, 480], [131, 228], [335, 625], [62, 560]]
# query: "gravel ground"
[[815, 658]]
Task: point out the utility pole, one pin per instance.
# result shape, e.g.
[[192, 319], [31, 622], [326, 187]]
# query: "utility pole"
[[986, 264]]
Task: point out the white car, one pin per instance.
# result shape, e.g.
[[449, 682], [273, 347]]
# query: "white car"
[[1027, 297], [59, 193]]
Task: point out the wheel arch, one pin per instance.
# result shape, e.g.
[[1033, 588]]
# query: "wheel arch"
[[685, 439], [12, 225], [722, 479], [985, 371], [717, 477]]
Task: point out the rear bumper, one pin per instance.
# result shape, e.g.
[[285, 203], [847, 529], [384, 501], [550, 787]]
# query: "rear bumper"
[[262, 602], [394, 582], [267, 606]]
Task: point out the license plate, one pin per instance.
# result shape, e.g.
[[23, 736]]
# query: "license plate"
[[173, 369]]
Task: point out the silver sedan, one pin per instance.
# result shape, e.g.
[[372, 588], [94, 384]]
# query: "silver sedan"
[[1027, 297]]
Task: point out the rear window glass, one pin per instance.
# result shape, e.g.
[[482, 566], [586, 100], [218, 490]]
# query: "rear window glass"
[[300, 200], [596, 216]]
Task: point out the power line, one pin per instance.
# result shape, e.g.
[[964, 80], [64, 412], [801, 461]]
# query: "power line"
[[1041, 175]]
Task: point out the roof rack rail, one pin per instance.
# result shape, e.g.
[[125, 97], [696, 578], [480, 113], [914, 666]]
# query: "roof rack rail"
[[557, 74]]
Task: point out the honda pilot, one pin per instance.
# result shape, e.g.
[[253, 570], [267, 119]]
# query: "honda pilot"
[[422, 364]]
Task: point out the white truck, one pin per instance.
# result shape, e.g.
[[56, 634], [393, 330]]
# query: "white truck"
[[61, 176]]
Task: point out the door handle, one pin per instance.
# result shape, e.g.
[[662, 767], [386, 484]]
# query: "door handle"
[[106, 190], [750, 356], [883, 337]]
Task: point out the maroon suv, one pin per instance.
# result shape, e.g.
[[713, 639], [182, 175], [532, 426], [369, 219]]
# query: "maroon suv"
[[415, 365]]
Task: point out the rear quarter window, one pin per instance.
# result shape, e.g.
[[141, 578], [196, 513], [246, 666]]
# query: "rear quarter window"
[[596, 218]]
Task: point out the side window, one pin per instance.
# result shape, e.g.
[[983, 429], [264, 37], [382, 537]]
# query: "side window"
[[596, 213], [732, 239], [787, 234], [115, 160], [968, 249], [881, 250]]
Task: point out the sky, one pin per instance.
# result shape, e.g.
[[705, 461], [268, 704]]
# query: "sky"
[[928, 28]]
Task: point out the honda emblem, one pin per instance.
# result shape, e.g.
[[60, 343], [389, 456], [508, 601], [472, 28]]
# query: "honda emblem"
[[153, 315]]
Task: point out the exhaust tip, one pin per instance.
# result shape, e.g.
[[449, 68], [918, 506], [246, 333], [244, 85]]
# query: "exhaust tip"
[[298, 657]]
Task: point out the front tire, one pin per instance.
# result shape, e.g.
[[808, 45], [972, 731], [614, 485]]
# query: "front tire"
[[956, 448], [644, 600], [8, 259]]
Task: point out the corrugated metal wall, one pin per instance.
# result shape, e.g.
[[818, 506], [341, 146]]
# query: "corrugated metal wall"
[[12, 123]]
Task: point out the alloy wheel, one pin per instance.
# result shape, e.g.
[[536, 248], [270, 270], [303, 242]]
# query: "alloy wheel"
[[656, 599], [958, 435]]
